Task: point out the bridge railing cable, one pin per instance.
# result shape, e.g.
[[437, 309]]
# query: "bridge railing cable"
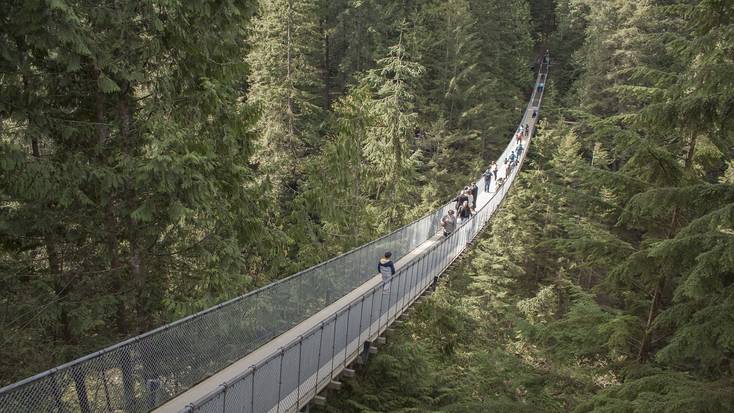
[[144, 372]]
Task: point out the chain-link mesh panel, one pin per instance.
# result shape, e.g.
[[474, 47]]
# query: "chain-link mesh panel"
[[353, 330], [366, 317], [266, 378], [289, 379], [238, 395]]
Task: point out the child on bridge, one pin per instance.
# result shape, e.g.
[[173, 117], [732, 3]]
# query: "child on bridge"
[[387, 269]]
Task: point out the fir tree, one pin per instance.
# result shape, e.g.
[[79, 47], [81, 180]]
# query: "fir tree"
[[284, 85], [390, 140]]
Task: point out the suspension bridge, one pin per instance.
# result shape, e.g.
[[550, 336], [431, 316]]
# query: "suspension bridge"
[[276, 348]]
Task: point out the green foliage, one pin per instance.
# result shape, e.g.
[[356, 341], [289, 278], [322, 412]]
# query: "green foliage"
[[284, 85], [588, 331], [126, 194], [662, 391], [390, 138]]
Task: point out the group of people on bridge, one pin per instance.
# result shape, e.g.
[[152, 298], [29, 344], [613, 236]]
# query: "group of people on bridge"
[[466, 201]]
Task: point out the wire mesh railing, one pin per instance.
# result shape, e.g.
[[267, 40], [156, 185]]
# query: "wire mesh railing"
[[144, 372]]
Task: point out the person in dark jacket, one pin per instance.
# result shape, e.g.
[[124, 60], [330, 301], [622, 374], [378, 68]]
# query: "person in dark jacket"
[[464, 212], [487, 179], [463, 197], [386, 268]]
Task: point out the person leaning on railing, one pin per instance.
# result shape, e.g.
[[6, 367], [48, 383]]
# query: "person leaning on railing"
[[448, 223]]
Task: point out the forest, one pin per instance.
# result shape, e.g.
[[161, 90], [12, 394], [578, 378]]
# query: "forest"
[[160, 157]]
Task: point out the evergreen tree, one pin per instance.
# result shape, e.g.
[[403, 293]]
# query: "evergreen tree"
[[336, 190], [127, 197], [390, 140], [284, 83]]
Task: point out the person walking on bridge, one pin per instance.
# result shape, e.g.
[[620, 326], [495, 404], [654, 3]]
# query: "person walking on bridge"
[[494, 169], [386, 268], [474, 193], [487, 179], [448, 223], [519, 150], [465, 212], [461, 198]]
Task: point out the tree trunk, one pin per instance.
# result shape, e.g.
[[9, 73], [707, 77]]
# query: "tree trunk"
[[111, 226], [644, 350], [56, 269], [657, 299], [396, 144], [124, 116], [325, 70], [289, 63], [691, 151]]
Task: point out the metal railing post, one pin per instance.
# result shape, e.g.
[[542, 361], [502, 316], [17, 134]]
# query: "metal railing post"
[[300, 361], [280, 378], [252, 399]]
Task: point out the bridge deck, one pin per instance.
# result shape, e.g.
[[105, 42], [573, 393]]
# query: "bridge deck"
[[274, 346]]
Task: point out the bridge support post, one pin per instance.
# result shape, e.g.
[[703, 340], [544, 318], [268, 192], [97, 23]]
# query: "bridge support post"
[[81, 390], [319, 400], [365, 352]]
